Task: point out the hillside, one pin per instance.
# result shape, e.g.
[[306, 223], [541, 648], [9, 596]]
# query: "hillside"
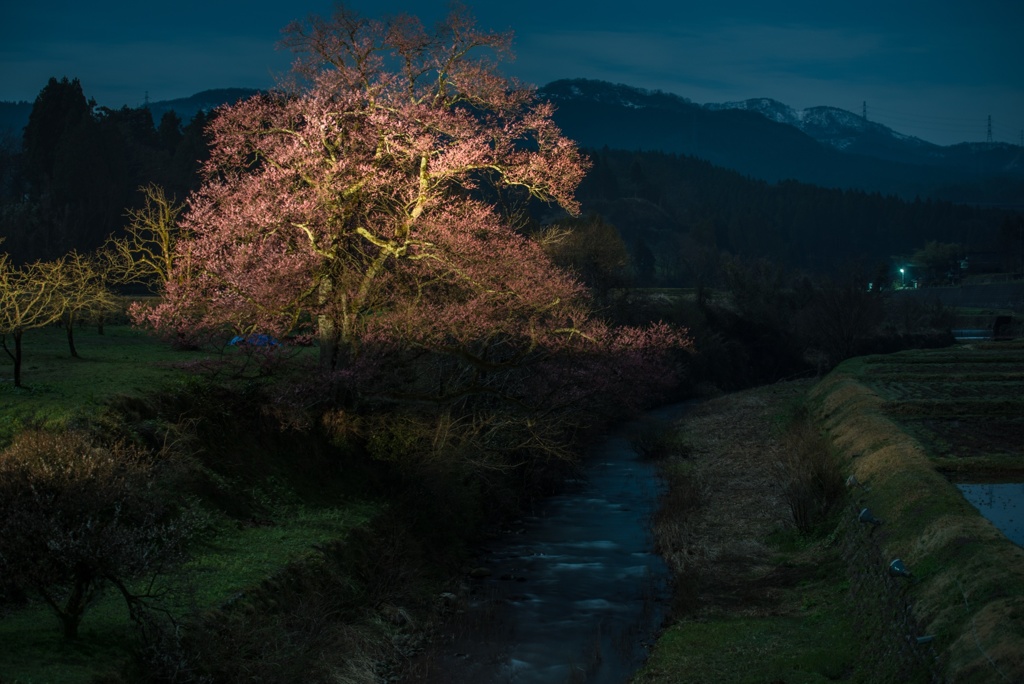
[[762, 138], [767, 140]]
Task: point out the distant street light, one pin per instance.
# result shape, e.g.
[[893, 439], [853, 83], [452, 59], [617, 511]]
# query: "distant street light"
[[903, 277]]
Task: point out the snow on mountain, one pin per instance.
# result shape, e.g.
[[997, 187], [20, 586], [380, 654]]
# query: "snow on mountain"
[[765, 106], [611, 94], [832, 126]]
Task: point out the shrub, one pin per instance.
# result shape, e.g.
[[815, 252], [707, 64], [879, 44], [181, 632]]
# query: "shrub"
[[75, 518], [812, 478]]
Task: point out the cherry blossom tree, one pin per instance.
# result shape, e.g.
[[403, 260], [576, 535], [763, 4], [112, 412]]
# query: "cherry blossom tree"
[[351, 204], [334, 202]]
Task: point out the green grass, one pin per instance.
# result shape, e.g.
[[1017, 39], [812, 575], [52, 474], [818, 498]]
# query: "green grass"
[[232, 560], [60, 391], [797, 625], [811, 643], [750, 651], [901, 428], [236, 553]]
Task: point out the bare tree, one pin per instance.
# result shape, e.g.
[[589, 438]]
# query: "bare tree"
[[76, 517], [82, 280], [30, 297], [146, 255]]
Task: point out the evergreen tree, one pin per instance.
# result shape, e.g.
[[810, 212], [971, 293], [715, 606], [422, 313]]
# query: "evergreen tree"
[[169, 132], [58, 109]]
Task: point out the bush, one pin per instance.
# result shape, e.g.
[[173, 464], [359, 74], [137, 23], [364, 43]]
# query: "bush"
[[812, 478], [75, 518]]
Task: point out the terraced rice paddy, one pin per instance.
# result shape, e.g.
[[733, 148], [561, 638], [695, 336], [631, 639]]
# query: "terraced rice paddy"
[[965, 404]]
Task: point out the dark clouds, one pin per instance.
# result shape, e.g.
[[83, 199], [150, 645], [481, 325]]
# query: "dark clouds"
[[933, 69]]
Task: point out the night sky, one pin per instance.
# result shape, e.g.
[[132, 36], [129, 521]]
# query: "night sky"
[[936, 69]]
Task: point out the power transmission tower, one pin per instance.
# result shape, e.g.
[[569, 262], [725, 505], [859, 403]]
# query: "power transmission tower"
[[864, 111]]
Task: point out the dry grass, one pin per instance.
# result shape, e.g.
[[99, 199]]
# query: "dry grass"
[[811, 477], [725, 499], [745, 610]]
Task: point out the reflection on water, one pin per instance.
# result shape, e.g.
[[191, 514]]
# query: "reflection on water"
[[1003, 504]]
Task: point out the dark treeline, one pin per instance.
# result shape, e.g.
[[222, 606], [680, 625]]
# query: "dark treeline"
[[78, 168], [671, 209], [69, 181]]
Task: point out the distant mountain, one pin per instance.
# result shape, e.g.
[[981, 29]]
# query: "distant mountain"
[[762, 138], [206, 101], [13, 118], [769, 140], [850, 132]]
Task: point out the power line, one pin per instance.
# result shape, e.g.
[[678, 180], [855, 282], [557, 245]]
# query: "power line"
[[965, 128]]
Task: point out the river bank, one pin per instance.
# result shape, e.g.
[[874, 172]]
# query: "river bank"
[[755, 600], [758, 602]]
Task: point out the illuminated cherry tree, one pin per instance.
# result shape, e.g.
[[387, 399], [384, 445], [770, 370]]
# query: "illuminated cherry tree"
[[348, 202], [352, 205]]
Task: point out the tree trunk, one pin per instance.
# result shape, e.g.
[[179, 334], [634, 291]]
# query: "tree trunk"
[[70, 614], [17, 358], [327, 329], [69, 328]]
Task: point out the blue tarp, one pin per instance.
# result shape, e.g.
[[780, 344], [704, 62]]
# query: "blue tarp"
[[254, 340]]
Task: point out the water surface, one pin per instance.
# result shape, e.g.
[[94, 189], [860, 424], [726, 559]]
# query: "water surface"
[[576, 592], [1001, 503]]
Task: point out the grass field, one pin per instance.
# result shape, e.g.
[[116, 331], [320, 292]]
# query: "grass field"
[[237, 558], [235, 554], [756, 601], [762, 604], [59, 390], [905, 425]]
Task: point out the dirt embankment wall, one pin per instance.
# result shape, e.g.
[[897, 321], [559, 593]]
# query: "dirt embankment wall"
[[962, 610]]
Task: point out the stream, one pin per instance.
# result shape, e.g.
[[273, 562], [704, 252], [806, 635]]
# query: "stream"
[[573, 592]]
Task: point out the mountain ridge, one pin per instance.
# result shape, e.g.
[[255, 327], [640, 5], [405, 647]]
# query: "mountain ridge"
[[760, 137], [769, 140]]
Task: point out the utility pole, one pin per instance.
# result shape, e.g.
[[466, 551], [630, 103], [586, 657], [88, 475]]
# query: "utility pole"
[[989, 137]]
